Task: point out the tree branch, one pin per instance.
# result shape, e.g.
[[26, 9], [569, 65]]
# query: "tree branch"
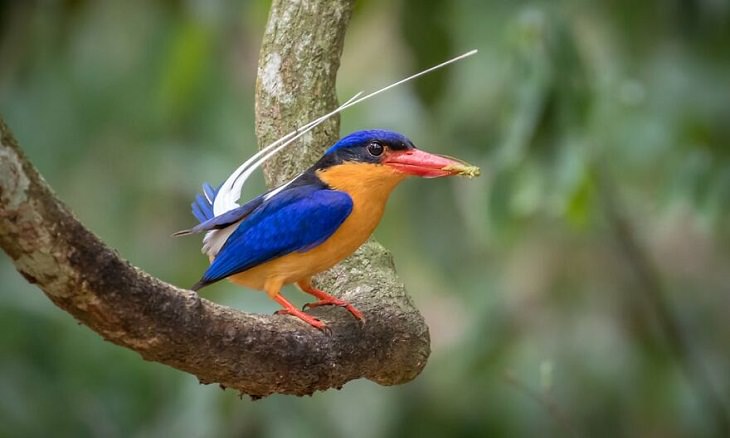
[[255, 354], [295, 84]]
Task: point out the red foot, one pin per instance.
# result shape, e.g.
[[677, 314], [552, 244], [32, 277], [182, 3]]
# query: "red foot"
[[326, 299], [289, 309]]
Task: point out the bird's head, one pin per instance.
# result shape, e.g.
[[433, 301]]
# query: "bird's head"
[[390, 155]]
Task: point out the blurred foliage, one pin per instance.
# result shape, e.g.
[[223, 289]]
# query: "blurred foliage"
[[539, 325]]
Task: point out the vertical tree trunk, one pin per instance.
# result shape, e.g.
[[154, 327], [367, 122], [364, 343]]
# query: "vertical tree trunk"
[[297, 72], [296, 84]]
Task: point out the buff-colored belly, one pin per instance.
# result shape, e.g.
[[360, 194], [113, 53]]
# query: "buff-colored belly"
[[301, 265], [369, 187]]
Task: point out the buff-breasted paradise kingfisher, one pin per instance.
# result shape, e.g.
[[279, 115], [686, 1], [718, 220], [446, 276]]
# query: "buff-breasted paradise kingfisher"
[[309, 224]]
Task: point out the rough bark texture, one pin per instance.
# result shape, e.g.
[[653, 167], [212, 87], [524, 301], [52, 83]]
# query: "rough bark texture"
[[296, 83], [255, 354], [296, 79]]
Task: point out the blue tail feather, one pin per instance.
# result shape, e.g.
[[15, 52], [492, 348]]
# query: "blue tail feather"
[[200, 213], [209, 191], [203, 205]]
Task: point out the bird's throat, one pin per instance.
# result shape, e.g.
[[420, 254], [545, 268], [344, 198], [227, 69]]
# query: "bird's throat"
[[365, 182], [369, 186]]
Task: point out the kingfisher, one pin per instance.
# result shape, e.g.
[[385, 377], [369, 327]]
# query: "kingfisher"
[[310, 223]]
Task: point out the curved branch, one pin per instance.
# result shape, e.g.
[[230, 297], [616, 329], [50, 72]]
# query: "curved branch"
[[255, 354]]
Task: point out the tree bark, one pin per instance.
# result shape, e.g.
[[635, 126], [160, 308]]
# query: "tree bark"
[[254, 354], [295, 84]]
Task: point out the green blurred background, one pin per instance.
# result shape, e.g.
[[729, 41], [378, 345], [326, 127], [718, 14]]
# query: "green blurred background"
[[598, 125]]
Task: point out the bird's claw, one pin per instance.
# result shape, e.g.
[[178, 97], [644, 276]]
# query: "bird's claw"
[[311, 320], [339, 303]]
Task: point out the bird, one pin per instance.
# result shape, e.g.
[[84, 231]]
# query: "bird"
[[310, 223]]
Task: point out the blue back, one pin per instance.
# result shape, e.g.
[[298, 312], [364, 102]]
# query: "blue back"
[[296, 219]]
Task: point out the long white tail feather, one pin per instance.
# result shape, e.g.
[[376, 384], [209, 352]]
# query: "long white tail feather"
[[230, 192]]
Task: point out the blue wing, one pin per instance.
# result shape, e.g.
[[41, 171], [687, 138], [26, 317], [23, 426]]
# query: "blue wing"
[[296, 219]]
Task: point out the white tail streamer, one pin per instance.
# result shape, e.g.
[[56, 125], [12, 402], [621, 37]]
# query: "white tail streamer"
[[230, 192]]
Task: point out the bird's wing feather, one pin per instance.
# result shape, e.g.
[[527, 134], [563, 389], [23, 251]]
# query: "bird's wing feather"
[[210, 222], [296, 219]]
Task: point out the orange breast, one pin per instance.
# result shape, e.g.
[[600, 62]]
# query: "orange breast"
[[369, 186]]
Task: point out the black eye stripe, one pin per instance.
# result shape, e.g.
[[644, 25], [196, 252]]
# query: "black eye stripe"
[[375, 149]]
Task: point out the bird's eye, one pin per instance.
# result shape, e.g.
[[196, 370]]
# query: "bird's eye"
[[375, 149]]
